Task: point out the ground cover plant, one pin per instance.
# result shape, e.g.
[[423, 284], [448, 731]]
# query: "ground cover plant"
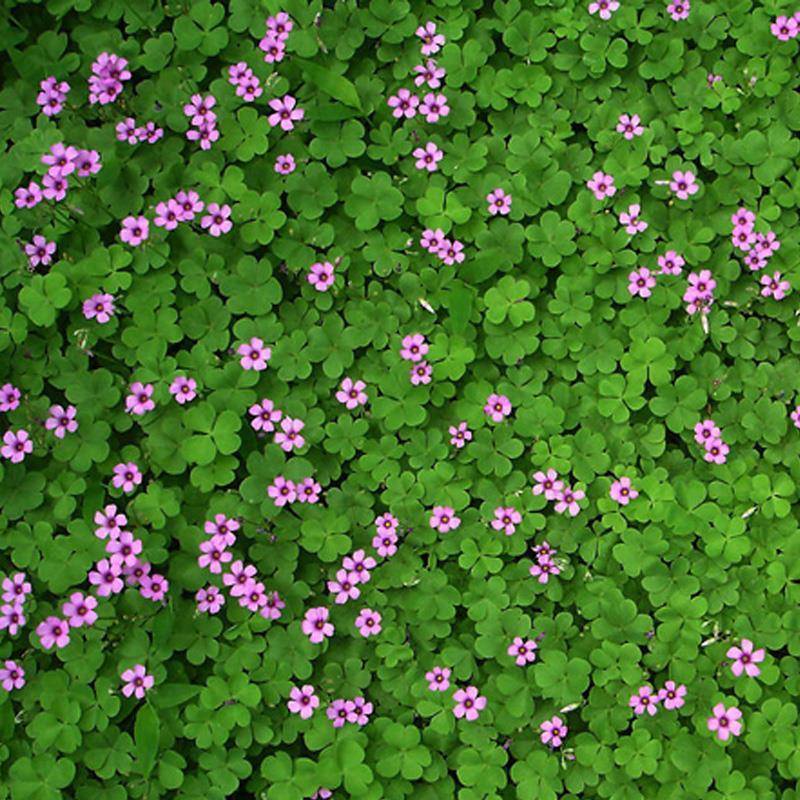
[[399, 399]]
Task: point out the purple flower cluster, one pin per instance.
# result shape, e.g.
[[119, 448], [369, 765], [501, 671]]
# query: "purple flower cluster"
[[128, 131], [709, 435], [273, 44], [202, 120], [16, 589], [248, 87], [283, 491], [437, 244], [109, 72]]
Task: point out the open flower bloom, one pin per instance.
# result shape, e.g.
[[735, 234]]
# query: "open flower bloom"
[[469, 703], [303, 701], [137, 681], [745, 659], [725, 722], [554, 731]]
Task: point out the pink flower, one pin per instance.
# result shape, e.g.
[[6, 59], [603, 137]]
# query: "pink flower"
[[198, 109], [438, 679], [499, 202], [420, 373], [16, 445], [106, 576], [320, 276], [671, 263], [629, 126], [795, 416], [414, 347], [431, 41], [725, 722], [344, 587], [217, 220], [183, 389], [360, 712], [303, 701], [280, 25], [351, 394], [52, 96], [359, 564], [604, 8], [506, 519], [135, 230], [672, 696], [126, 477], [630, 219], [79, 610], [602, 185], [153, 587], [273, 48], [641, 282], [100, 307], [385, 544], [785, 28], [497, 407], [459, 435], [308, 491], [282, 491], [432, 240], [403, 104], [137, 681], [61, 420], [645, 700], [16, 589], [444, 519], [87, 163], [469, 703], [265, 415], [135, 574], [285, 164], [190, 204], [239, 578], [368, 622], [451, 252], [702, 283], [55, 186], [433, 107], [53, 632], [339, 710], [12, 618], [289, 437], [622, 491], [711, 79], [209, 600], [683, 184], [316, 626], [428, 157], [543, 569], [140, 401], [774, 286], [12, 676], [222, 526], [213, 554], [567, 500], [386, 523], [716, 451], [745, 659], [40, 251], [523, 651], [273, 607], [124, 549], [168, 215], [429, 73], [554, 731], [287, 112], [678, 9], [547, 483], [60, 159], [28, 197], [109, 522], [9, 397], [254, 355]]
